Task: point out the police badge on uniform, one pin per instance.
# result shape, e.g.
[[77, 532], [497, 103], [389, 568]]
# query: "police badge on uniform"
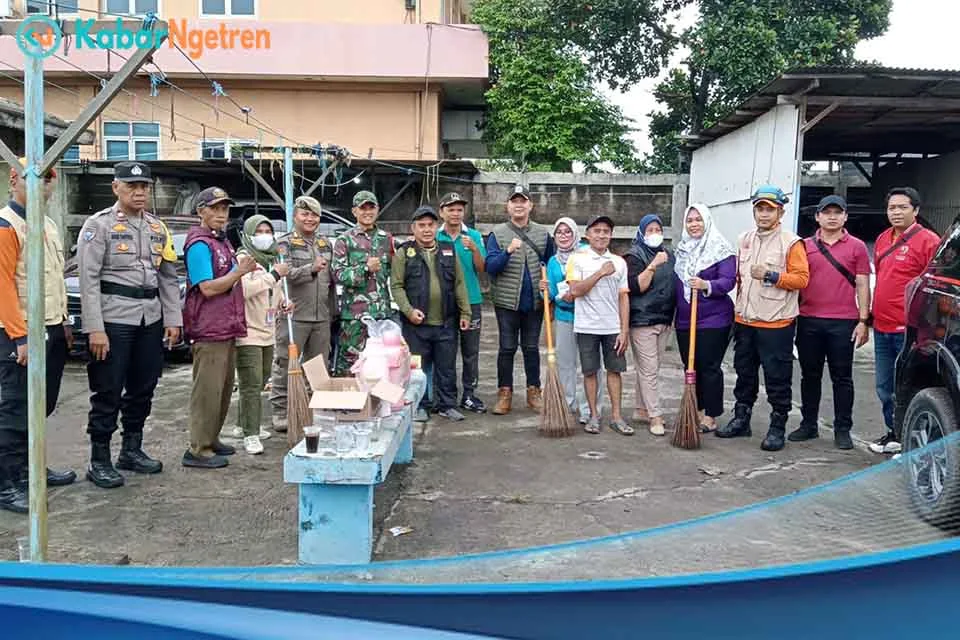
[[411, 252], [123, 247], [88, 235], [119, 227]]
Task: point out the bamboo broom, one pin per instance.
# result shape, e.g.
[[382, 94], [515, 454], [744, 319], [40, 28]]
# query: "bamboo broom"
[[687, 429], [556, 420]]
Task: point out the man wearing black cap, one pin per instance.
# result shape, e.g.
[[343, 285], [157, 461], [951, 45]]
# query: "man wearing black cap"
[[130, 303], [472, 254], [516, 251], [428, 286], [213, 318], [834, 320]]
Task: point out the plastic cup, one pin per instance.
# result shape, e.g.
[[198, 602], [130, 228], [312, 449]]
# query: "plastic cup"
[[344, 440], [311, 436], [23, 548], [362, 432]]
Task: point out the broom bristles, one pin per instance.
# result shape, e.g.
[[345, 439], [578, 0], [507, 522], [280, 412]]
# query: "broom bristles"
[[687, 430], [557, 420], [299, 413]]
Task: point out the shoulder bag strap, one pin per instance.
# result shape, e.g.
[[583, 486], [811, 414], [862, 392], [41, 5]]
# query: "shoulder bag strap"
[[523, 236], [901, 240], [836, 265]]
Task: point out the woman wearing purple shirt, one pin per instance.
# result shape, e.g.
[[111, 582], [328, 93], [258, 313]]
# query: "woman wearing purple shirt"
[[706, 264]]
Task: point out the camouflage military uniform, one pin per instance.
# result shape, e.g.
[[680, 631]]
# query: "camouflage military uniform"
[[363, 292]]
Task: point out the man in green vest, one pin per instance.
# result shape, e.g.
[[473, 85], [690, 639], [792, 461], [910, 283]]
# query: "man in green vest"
[[516, 251], [426, 280]]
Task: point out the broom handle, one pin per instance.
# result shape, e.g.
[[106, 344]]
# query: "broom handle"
[[546, 311], [694, 297], [286, 294]]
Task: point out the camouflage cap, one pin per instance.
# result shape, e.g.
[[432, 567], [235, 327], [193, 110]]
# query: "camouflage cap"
[[364, 197], [308, 203], [452, 198]]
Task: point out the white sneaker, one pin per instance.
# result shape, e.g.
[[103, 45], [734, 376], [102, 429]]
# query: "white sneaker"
[[237, 433], [887, 444], [264, 434], [252, 445]]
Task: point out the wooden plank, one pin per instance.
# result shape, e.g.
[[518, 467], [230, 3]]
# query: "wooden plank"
[[262, 182]]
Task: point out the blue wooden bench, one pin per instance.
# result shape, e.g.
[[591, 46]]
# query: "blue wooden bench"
[[335, 523]]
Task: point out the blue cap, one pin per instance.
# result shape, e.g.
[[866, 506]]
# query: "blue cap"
[[771, 194], [832, 201]]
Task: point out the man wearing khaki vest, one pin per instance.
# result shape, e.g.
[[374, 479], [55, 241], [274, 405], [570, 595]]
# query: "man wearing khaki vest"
[[516, 250], [772, 268], [13, 338]]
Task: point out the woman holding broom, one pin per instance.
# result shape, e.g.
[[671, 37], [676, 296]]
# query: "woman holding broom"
[[566, 237], [261, 297], [652, 303], [706, 266]]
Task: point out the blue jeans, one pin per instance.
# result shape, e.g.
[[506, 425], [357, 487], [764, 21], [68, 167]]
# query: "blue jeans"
[[886, 348]]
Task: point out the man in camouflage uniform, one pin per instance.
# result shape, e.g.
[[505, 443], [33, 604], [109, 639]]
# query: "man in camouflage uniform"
[[313, 296], [131, 305], [361, 265]]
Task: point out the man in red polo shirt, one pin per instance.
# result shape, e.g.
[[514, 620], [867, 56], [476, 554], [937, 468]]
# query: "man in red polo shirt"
[[834, 320], [900, 255]]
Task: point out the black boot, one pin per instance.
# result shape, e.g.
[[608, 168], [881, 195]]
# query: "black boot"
[[739, 426], [778, 427], [842, 439], [101, 471], [805, 432], [12, 497], [54, 478], [132, 457]]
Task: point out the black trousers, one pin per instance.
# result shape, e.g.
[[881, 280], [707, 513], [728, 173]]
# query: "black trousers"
[[470, 352], [123, 384], [519, 329], [437, 348], [708, 361], [771, 348], [820, 339], [13, 395]]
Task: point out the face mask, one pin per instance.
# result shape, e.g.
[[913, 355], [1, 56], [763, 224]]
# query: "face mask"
[[262, 241], [653, 240]]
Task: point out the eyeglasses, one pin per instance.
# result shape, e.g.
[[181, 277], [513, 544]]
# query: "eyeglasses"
[[564, 232]]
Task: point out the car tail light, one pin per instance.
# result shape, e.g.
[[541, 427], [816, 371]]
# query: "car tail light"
[[911, 290]]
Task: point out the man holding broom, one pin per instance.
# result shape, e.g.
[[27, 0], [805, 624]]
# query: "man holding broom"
[[313, 295], [213, 318], [428, 285], [601, 319], [771, 269]]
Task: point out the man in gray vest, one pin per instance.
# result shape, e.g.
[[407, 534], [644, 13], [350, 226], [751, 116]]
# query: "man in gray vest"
[[516, 250], [130, 300]]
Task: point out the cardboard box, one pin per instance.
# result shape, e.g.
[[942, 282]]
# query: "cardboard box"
[[343, 397]]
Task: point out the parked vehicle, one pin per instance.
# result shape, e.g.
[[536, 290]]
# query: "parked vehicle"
[[928, 386]]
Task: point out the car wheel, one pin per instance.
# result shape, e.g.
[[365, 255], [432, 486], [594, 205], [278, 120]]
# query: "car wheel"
[[931, 458]]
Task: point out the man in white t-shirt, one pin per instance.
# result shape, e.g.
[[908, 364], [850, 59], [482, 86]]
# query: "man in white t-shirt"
[[601, 318]]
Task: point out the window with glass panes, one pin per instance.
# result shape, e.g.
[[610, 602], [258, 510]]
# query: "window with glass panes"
[[222, 149], [71, 155], [131, 7], [52, 7], [228, 7], [131, 140]]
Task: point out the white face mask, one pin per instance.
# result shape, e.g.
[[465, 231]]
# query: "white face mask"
[[262, 241], [653, 240]]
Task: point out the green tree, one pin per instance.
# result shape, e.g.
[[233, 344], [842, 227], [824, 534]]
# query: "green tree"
[[739, 45], [546, 57]]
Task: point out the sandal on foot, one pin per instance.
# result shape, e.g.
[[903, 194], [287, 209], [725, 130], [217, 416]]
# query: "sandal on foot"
[[657, 428], [705, 429], [593, 426], [621, 427]]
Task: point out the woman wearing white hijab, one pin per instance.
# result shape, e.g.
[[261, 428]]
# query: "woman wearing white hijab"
[[706, 266], [566, 237]]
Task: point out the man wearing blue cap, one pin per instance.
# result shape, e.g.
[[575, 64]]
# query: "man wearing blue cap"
[[771, 269]]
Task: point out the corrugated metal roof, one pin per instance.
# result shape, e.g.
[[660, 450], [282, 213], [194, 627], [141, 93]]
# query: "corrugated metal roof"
[[928, 116]]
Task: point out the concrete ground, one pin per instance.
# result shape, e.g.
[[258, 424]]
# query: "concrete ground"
[[483, 484]]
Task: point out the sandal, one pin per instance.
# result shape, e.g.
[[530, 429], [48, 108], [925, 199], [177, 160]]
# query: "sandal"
[[705, 429], [621, 427], [592, 427]]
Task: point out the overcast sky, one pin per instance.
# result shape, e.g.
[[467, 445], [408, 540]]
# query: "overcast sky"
[[922, 34]]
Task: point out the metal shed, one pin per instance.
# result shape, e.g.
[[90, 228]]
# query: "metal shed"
[[895, 126]]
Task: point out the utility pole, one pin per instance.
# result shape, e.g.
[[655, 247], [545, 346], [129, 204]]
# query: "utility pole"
[[36, 312], [288, 186]]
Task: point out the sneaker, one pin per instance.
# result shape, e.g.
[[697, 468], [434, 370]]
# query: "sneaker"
[[451, 414], [264, 434], [252, 445], [421, 415], [236, 433], [887, 444], [474, 404]]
